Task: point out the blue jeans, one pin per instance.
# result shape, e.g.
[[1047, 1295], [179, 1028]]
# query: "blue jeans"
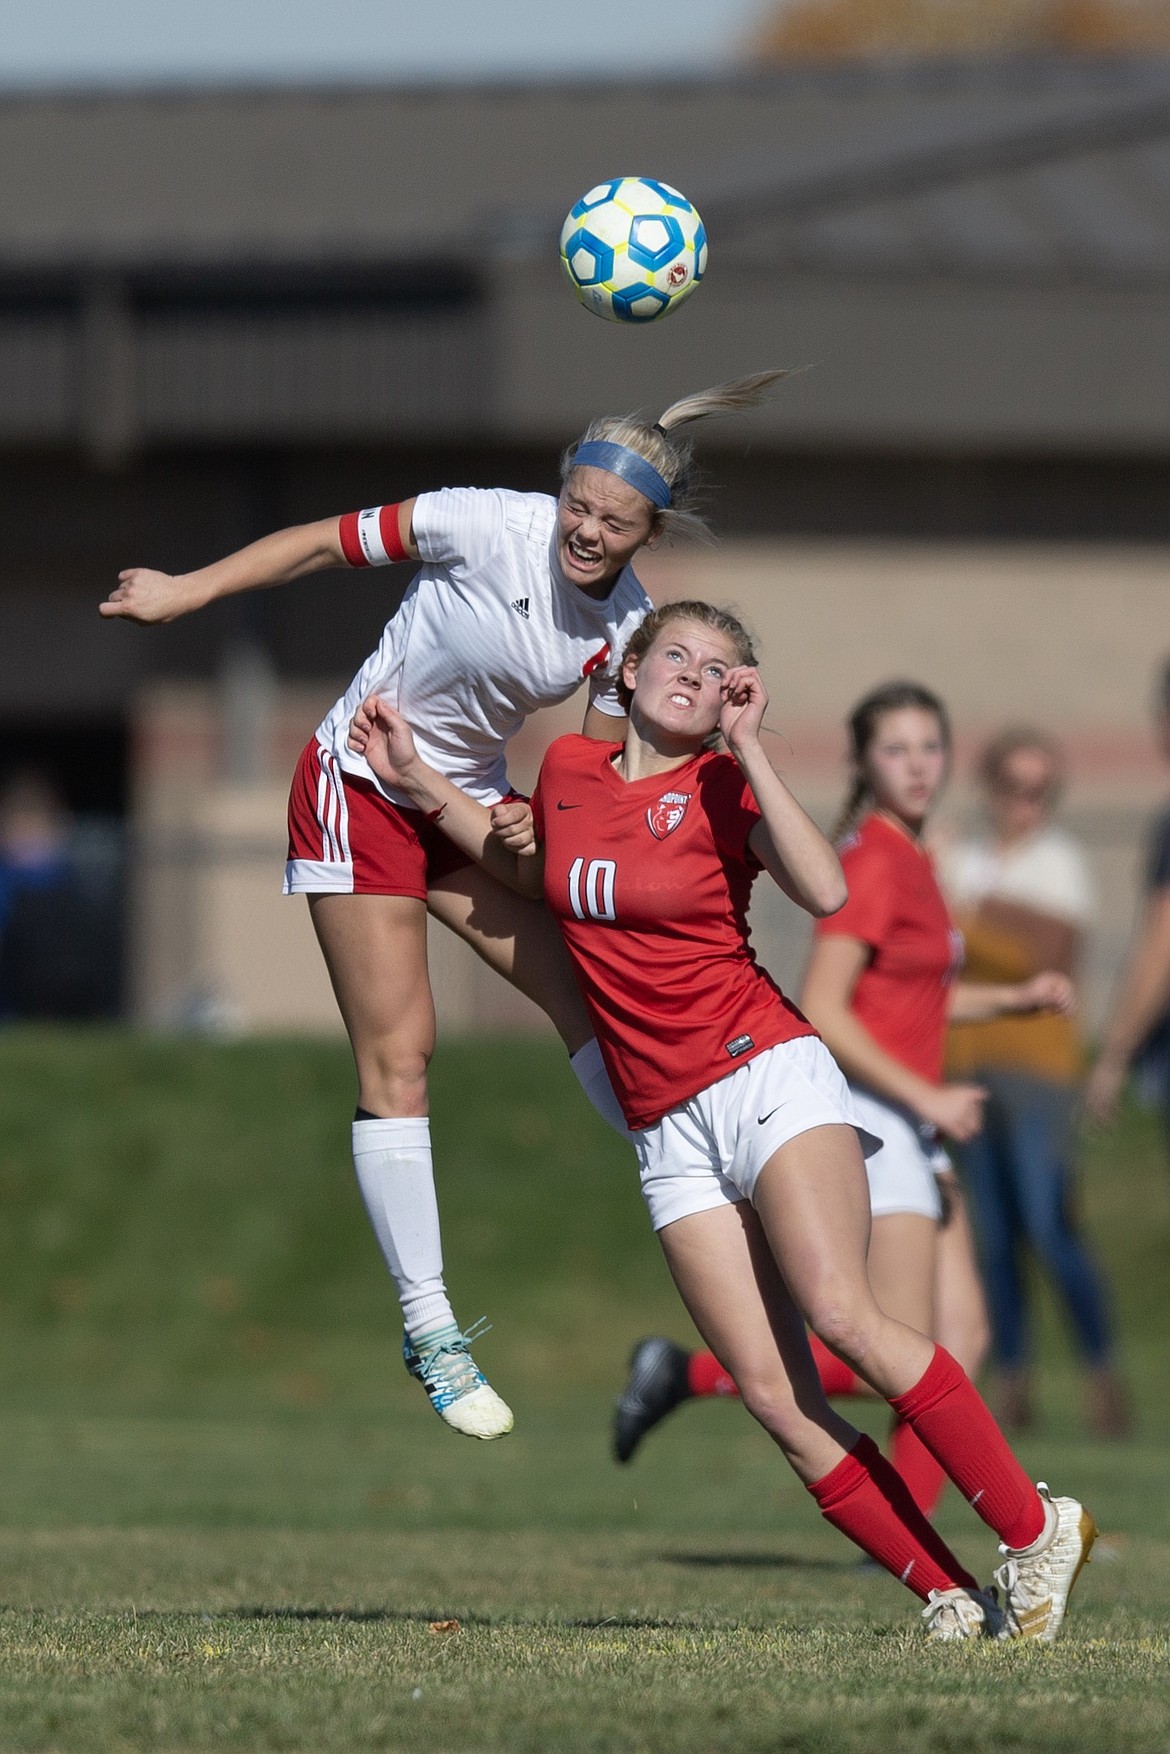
[[1017, 1173]]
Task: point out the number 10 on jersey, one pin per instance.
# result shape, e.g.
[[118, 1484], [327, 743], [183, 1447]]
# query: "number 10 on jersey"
[[591, 889]]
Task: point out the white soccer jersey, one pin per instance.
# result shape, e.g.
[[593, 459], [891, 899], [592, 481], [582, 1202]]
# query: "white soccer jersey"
[[489, 631]]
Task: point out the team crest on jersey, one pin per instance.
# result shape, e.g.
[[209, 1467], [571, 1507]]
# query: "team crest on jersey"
[[665, 816]]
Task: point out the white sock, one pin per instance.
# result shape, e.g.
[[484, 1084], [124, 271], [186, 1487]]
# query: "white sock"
[[593, 1078], [393, 1163]]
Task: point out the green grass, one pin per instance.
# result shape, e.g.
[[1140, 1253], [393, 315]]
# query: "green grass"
[[229, 1521]]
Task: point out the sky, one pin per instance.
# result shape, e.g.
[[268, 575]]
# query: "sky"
[[54, 43]]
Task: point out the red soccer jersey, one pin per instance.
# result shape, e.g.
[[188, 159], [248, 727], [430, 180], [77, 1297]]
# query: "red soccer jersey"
[[649, 881], [895, 907]]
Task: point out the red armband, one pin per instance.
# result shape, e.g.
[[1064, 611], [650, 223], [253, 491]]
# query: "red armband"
[[371, 538]]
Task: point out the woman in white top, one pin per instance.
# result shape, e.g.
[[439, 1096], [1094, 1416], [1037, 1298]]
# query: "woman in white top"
[[521, 599], [1023, 895]]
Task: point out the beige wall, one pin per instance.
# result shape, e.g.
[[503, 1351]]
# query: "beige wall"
[[1064, 637]]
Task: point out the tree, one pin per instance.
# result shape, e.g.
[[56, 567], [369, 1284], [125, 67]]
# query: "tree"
[[855, 29]]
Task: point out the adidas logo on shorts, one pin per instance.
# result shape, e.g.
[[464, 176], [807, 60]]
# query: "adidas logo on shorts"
[[521, 607]]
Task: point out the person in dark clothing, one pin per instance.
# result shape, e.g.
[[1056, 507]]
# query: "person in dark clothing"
[[1138, 1029]]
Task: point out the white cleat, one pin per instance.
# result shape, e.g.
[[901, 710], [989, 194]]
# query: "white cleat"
[[1037, 1581], [959, 1613], [459, 1392]]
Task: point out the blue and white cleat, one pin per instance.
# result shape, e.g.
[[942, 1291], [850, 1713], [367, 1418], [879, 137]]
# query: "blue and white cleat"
[[459, 1392]]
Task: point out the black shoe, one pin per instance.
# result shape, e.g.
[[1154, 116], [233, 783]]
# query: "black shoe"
[[657, 1383]]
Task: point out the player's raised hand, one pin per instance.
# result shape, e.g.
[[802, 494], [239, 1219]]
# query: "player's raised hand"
[[745, 701], [514, 827], [143, 595]]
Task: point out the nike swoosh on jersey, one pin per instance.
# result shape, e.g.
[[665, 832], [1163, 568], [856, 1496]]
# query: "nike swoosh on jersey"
[[760, 1119], [561, 805]]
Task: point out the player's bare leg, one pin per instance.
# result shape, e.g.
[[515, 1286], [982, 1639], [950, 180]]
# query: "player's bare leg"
[[810, 1196], [813, 1200], [912, 1262], [903, 1272], [961, 1321], [375, 949], [521, 940], [729, 1281], [727, 1276]]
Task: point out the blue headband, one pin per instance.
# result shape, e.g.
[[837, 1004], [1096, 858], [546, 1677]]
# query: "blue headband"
[[627, 465]]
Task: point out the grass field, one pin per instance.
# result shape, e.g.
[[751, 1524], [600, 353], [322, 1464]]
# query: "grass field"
[[229, 1521]]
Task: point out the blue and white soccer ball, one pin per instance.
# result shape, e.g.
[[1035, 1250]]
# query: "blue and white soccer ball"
[[633, 249]]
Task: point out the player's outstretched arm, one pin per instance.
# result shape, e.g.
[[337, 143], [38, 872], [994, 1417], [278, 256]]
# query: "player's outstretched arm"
[[788, 843], [145, 595], [384, 737]]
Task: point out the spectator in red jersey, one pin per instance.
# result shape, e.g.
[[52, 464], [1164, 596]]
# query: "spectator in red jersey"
[[748, 1139], [880, 987]]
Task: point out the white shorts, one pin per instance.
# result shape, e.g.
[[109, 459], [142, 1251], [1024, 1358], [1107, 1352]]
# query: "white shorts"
[[709, 1151], [903, 1174]]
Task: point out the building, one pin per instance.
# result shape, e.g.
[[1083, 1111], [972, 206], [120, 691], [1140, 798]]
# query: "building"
[[223, 311]]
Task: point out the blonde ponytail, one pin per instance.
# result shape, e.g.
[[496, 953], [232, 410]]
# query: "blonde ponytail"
[[670, 457]]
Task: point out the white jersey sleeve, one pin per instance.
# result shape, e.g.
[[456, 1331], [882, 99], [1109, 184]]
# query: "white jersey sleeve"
[[459, 527], [603, 695]]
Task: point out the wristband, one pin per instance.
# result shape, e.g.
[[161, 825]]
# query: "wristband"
[[372, 538]]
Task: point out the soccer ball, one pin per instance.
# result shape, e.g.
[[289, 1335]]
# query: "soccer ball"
[[633, 249]]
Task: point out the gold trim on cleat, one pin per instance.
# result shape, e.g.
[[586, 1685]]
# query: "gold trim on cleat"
[[1033, 1622], [1054, 1569], [1089, 1533]]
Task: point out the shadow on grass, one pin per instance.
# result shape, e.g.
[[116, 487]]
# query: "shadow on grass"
[[441, 1619], [756, 1561]]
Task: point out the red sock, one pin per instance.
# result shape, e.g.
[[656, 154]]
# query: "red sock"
[[864, 1498], [946, 1411], [706, 1376], [836, 1378], [917, 1467]]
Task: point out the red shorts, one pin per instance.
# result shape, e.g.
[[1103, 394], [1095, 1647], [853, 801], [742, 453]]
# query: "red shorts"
[[345, 838]]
